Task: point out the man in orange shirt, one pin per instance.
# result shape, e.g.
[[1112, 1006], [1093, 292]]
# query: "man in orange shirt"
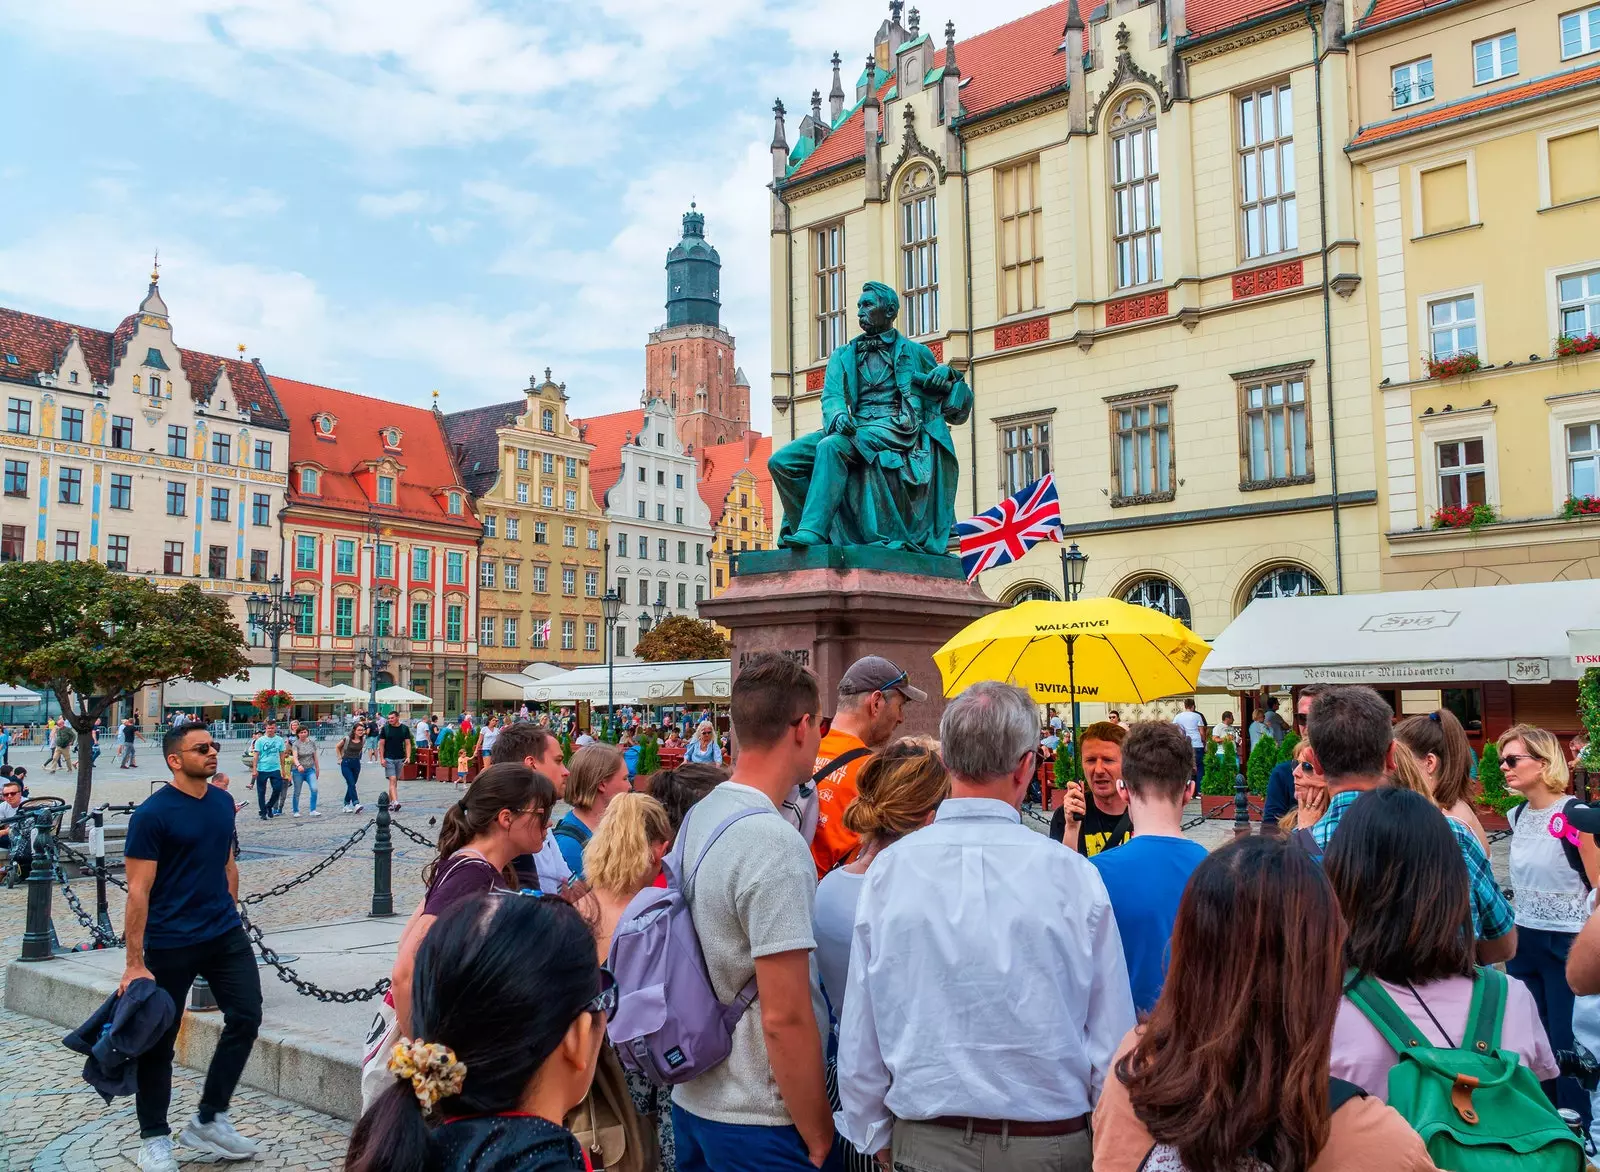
[[872, 704]]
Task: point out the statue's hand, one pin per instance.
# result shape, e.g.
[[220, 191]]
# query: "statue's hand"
[[842, 424], [943, 377]]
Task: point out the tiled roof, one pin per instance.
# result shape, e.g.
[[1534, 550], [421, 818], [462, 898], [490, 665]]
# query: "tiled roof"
[[720, 463], [477, 447], [1383, 11], [424, 452], [1210, 16], [39, 342], [1482, 104], [608, 433], [1000, 66]]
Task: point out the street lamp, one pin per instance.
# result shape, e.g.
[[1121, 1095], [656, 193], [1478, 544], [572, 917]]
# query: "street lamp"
[[658, 609], [272, 614], [1073, 563], [611, 606], [375, 656]]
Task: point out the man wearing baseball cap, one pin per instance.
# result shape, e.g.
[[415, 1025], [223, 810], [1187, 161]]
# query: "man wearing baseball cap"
[[872, 703]]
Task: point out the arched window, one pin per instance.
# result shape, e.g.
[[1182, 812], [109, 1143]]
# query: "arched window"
[[547, 420], [1029, 592], [919, 252], [674, 364], [1287, 582], [1160, 594], [1136, 190]]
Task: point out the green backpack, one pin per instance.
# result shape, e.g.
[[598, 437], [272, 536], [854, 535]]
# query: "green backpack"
[[1477, 1108]]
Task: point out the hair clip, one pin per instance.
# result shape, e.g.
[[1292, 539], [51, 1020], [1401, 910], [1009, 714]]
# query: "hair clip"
[[1434, 716]]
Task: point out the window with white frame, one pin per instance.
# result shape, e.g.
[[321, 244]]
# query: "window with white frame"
[[510, 631], [541, 634], [919, 252], [1024, 451], [569, 634], [540, 580], [1578, 296], [486, 629], [386, 490], [486, 574], [1141, 448], [513, 576], [1583, 459], [491, 526], [522, 492], [591, 636], [547, 463], [1021, 237], [1494, 58], [522, 459], [1413, 82], [547, 496], [1463, 475], [1267, 205], [1276, 430], [569, 582], [1136, 191], [513, 529], [831, 308], [1453, 327], [1580, 32], [571, 500]]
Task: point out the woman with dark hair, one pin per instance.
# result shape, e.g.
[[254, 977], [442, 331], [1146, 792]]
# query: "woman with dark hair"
[[511, 1010], [502, 815], [678, 789], [1441, 749], [1402, 885], [1214, 1080]]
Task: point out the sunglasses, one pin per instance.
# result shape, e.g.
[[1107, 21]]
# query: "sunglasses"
[[208, 747], [1306, 767], [604, 1001], [1515, 759], [823, 723]]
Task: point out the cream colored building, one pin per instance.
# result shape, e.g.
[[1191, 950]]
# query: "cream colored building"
[[1122, 244]]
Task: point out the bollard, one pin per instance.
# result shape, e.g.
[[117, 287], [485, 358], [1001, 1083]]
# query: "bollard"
[[39, 935], [201, 998], [1241, 806], [97, 847], [382, 854]]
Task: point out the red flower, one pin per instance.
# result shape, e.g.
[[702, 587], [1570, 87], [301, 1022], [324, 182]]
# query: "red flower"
[[1450, 367]]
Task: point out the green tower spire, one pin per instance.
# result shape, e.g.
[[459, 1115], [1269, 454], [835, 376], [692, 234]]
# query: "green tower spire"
[[694, 276]]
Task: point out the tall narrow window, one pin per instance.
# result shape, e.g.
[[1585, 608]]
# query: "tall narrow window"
[[513, 576], [509, 629], [221, 449], [258, 565], [419, 621], [830, 302], [1266, 172], [177, 440], [486, 629], [72, 425], [386, 490], [219, 504], [344, 556], [1453, 327], [122, 431], [12, 540], [264, 455], [116, 553], [1580, 32], [1277, 440], [1142, 449], [171, 557], [344, 616], [1136, 191], [67, 548], [1021, 238], [1583, 459], [1463, 476], [217, 561], [1579, 295], [919, 252], [305, 552], [1024, 451]]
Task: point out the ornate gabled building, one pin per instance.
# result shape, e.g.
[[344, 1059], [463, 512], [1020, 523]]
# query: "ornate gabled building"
[[127, 449], [689, 362], [542, 567], [381, 533], [737, 488]]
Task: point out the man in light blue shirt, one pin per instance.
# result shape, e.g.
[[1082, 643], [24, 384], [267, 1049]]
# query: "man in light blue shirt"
[[270, 748]]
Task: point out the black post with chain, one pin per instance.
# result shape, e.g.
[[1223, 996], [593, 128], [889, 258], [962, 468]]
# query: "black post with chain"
[[39, 935], [382, 862], [1241, 805]]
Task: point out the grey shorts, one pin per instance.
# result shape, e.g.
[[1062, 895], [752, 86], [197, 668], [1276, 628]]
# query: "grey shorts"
[[391, 766]]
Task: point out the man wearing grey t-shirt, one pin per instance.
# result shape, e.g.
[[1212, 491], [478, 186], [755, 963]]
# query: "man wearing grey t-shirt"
[[766, 1107]]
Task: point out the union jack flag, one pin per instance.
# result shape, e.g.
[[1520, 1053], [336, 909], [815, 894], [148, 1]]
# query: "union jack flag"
[[1007, 531]]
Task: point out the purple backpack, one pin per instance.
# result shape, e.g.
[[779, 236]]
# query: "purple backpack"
[[670, 1026]]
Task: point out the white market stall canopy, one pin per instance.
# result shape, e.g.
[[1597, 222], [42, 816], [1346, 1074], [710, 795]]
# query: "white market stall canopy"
[[395, 694], [349, 693], [1419, 638], [187, 693], [677, 682], [13, 694]]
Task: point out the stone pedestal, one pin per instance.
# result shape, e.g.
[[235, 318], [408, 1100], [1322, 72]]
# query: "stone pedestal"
[[829, 606]]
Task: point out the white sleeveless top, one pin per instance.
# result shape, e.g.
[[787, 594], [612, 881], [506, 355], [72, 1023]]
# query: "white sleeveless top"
[[1549, 895]]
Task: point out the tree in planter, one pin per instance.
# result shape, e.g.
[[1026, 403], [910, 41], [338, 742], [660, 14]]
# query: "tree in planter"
[[1494, 792], [1263, 757], [681, 637], [566, 749], [649, 757], [449, 750], [1221, 768], [1589, 713], [93, 637], [1289, 745], [1067, 766]]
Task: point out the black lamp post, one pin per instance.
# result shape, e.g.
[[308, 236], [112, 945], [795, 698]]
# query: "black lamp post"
[[658, 609], [1073, 563], [272, 614], [611, 606], [375, 656]]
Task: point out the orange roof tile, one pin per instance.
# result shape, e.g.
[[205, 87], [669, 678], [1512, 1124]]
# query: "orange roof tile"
[[1383, 11], [608, 433], [720, 463], [1210, 16], [424, 452], [1482, 104]]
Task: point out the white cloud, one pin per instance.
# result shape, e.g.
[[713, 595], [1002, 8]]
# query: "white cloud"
[[399, 203]]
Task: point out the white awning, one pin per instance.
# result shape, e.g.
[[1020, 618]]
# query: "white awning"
[[1417, 638], [349, 693], [677, 682], [187, 693], [13, 694], [505, 685], [395, 694]]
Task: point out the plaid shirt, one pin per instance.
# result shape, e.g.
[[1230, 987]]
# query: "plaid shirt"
[[1490, 910]]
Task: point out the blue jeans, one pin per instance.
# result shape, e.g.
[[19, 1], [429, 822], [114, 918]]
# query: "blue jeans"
[[1541, 964], [707, 1146], [267, 803], [308, 778], [351, 768]]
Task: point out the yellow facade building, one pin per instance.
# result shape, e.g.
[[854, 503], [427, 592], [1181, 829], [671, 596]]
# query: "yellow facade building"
[[1478, 169], [1118, 228], [736, 487], [542, 564]]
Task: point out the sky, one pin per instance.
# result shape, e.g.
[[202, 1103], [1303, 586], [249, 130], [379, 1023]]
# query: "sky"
[[399, 196]]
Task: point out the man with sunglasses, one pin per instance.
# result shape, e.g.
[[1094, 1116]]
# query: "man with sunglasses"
[[181, 921], [873, 695], [1280, 782]]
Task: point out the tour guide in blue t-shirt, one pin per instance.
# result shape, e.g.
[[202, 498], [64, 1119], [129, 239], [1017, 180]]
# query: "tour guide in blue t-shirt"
[[181, 922]]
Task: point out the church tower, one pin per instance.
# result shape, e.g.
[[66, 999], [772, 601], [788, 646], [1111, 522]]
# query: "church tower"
[[689, 362]]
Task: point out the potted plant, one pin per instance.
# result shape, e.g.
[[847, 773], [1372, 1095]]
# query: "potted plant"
[[1263, 758], [1571, 345], [1494, 796], [1217, 780], [1581, 506], [1470, 517], [449, 753], [649, 757], [1065, 769], [566, 748], [1458, 364], [470, 747], [269, 700], [1289, 745]]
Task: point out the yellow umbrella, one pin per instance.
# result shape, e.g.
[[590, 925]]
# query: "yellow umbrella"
[[1094, 649]]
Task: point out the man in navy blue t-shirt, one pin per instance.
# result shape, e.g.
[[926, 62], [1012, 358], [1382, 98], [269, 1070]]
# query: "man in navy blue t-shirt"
[[1146, 875], [181, 922]]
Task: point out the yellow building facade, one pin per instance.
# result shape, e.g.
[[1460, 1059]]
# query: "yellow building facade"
[[1122, 246], [736, 487], [541, 569], [1478, 168]]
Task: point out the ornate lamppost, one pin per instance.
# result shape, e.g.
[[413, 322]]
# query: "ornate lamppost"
[[272, 614], [611, 606]]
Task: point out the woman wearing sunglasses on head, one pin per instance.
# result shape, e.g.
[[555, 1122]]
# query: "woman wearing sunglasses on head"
[[511, 1007]]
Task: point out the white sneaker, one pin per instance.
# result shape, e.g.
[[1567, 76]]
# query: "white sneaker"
[[155, 1155], [357, 808], [218, 1138], [296, 813], [316, 813]]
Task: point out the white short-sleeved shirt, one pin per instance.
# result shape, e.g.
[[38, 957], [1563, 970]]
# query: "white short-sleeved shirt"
[[1191, 723]]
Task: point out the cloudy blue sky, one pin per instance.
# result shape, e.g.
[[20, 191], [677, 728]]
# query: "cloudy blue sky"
[[393, 196]]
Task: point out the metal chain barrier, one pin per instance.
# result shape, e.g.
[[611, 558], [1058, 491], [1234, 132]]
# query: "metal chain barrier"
[[102, 938], [306, 988], [307, 876], [420, 839], [85, 861]]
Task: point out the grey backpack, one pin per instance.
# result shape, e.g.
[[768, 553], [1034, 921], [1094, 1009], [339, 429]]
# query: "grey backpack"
[[670, 1025]]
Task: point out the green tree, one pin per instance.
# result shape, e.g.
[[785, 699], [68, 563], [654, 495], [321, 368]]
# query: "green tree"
[[1492, 781], [449, 750], [94, 637], [1290, 744], [1589, 712], [649, 756], [1263, 757], [1220, 771], [566, 748], [681, 637], [1067, 766]]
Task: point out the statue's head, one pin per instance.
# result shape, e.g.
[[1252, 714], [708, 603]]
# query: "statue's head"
[[878, 307]]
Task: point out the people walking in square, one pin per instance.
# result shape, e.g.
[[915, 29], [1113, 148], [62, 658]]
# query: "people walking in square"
[[126, 736], [395, 737], [269, 749], [1194, 727], [985, 960], [181, 922], [349, 749], [306, 765]]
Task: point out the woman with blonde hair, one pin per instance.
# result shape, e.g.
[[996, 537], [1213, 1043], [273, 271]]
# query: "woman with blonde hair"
[[598, 774], [1551, 889], [1441, 749], [1310, 792], [1405, 773], [704, 749]]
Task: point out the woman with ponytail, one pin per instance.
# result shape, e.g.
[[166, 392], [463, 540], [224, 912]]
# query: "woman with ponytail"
[[511, 1007], [504, 814]]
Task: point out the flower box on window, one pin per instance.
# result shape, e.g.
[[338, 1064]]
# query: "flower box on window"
[[1451, 367], [1568, 345], [1473, 517], [1581, 506]]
